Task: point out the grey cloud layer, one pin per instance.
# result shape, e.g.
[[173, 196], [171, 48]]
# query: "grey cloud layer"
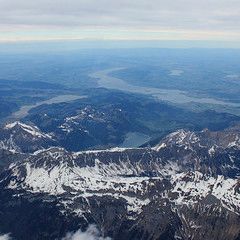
[[157, 14]]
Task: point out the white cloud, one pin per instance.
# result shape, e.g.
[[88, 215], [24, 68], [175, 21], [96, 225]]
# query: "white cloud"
[[5, 237], [92, 233]]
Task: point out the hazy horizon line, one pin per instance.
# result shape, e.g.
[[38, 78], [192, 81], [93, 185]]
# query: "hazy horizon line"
[[73, 44]]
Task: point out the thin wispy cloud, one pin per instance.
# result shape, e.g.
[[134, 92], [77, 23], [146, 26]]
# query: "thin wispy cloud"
[[125, 19]]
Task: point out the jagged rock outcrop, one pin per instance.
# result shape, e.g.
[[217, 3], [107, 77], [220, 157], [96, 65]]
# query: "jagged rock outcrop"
[[186, 187]]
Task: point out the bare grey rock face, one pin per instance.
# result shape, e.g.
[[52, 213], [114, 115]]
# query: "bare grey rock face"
[[186, 187]]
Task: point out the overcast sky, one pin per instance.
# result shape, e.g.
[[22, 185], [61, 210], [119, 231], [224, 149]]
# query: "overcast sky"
[[122, 19]]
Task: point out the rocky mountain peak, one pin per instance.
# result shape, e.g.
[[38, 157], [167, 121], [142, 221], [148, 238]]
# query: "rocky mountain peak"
[[186, 184]]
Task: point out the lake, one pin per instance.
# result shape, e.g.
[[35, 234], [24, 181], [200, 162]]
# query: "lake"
[[135, 139], [24, 110], [174, 96]]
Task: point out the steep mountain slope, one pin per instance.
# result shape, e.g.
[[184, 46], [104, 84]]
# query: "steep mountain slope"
[[186, 187], [20, 137]]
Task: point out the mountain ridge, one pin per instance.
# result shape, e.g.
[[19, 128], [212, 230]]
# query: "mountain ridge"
[[185, 187]]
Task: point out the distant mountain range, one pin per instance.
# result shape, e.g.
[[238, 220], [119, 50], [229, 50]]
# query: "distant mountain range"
[[185, 187]]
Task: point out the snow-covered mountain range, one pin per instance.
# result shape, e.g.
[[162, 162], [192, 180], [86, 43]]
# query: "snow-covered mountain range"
[[185, 187]]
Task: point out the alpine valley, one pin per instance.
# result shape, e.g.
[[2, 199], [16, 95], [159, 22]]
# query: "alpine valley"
[[118, 143]]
